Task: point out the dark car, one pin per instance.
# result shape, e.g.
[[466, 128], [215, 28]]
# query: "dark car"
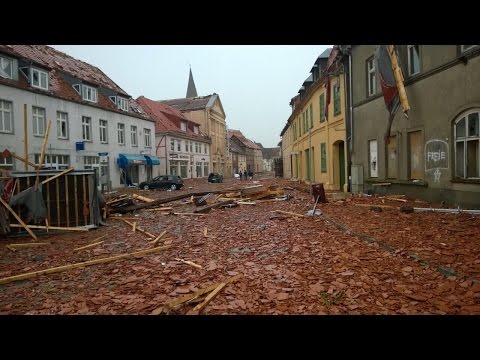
[[215, 178], [173, 182]]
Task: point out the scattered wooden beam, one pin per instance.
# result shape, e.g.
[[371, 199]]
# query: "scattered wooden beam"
[[209, 298], [154, 242], [160, 209], [380, 206], [205, 231], [134, 226], [89, 246], [18, 219], [142, 198], [189, 263], [213, 206], [14, 247], [139, 229], [79, 228], [290, 213], [81, 264], [189, 214], [24, 160], [56, 176], [188, 297]]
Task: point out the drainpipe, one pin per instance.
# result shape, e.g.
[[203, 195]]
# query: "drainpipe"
[[350, 142]]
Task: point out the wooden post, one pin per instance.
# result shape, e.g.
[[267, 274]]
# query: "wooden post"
[[397, 71], [44, 145], [84, 200], [25, 161], [25, 135], [57, 187], [76, 199], [49, 217], [56, 176], [66, 201], [18, 219]]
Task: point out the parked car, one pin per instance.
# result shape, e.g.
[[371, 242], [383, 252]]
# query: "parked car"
[[215, 178], [173, 182]]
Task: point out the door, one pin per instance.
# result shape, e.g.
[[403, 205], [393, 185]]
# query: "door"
[[373, 158], [415, 149], [341, 165], [149, 172]]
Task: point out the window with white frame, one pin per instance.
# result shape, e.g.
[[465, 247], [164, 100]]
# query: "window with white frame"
[[89, 93], [133, 135], [467, 156], [464, 48], [6, 117], [205, 148], [103, 131], [413, 59], [195, 129], [6, 163], [179, 145], [196, 147], [121, 133], [147, 135], [86, 128], [186, 146], [62, 125], [191, 146], [183, 125], [38, 115], [6, 67], [122, 103], [89, 162], [172, 145], [39, 79], [371, 78], [57, 162]]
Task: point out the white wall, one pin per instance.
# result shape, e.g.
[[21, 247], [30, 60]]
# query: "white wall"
[[15, 142]]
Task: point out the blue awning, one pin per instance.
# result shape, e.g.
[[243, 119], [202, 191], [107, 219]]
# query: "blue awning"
[[152, 160], [125, 160]]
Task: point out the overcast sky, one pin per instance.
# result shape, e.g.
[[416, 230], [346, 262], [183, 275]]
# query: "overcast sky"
[[255, 83]]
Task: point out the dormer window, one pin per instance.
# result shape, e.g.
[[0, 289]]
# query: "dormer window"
[[6, 67], [183, 126], [195, 129], [77, 88], [39, 79], [89, 93], [122, 103]]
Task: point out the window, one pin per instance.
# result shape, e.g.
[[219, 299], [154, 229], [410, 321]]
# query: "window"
[[179, 145], [205, 148], [133, 135], [90, 161], [121, 133], [186, 146], [6, 117], [147, 137], [373, 158], [62, 125], [336, 98], [183, 125], [89, 93], [86, 128], [191, 146], [322, 107], [196, 148], [39, 79], [371, 83], [122, 103], [195, 129], [6, 163], [413, 59], [103, 131], [392, 157], [172, 145], [173, 167], [6, 68], [311, 115], [56, 162], [467, 138], [198, 169], [464, 48], [205, 168], [38, 121], [323, 157]]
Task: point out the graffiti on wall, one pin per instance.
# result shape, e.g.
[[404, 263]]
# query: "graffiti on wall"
[[436, 157]]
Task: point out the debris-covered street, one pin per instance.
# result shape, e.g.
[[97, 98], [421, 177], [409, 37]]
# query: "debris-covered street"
[[259, 257]]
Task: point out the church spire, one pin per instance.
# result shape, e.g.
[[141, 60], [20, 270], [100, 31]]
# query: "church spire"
[[191, 90]]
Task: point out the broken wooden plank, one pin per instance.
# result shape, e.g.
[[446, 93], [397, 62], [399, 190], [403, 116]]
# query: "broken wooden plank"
[[380, 206], [14, 247], [189, 263], [160, 209], [251, 190], [18, 219], [154, 242], [188, 297], [205, 231], [139, 229], [134, 226], [89, 245], [142, 198], [79, 228], [246, 202], [209, 298], [213, 206], [81, 264], [56, 176], [189, 214]]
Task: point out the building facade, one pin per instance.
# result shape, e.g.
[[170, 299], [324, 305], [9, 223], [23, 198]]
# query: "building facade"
[[93, 122], [434, 154], [252, 152], [180, 144]]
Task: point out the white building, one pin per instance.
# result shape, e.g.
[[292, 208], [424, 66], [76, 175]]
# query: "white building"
[[94, 123], [180, 145]]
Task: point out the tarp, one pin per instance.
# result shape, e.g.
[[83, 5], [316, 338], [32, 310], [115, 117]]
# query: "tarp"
[[152, 160], [125, 160], [387, 79], [33, 201]]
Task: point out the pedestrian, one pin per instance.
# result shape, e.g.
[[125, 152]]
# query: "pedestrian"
[[245, 174], [240, 173]]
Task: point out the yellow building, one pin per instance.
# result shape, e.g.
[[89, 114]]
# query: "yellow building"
[[314, 138]]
